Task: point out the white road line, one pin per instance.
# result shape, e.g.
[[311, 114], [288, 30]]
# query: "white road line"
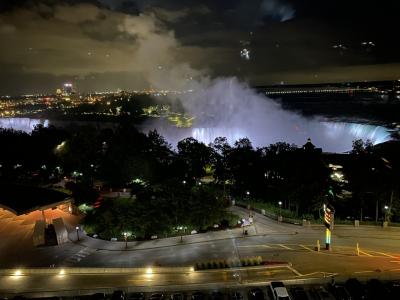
[[307, 248], [365, 253], [360, 272], [385, 254], [285, 247], [294, 271], [253, 246]]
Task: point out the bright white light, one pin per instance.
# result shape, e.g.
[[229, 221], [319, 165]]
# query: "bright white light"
[[280, 202], [18, 273], [149, 271], [245, 54], [60, 146], [62, 272]]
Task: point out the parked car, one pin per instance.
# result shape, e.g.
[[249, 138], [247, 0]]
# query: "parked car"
[[279, 291], [136, 296], [98, 296], [157, 296], [356, 289], [177, 296], [236, 296], [198, 296], [298, 293], [394, 290], [339, 292], [118, 295], [217, 296], [256, 294], [320, 293]]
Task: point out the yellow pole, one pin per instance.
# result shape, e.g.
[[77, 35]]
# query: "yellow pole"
[[318, 246], [358, 249]]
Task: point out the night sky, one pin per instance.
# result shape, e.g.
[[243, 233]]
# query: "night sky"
[[110, 44]]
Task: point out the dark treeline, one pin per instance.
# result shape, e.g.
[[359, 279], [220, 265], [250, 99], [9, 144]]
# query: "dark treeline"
[[300, 177]]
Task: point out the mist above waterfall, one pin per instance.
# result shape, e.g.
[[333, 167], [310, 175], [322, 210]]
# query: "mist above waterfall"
[[222, 106]]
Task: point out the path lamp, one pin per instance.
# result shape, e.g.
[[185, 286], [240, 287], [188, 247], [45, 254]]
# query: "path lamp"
[[126, 239], [386, 210], [77, 232], [181, 230], [280, 209]]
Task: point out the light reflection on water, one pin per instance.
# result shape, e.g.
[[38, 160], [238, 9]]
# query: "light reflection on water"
[[23, 124], [331, 136]]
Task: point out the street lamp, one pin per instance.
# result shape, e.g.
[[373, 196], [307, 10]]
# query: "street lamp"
[[386, 210], [126, 239], [77, 232], [182, 229], [280, 209]]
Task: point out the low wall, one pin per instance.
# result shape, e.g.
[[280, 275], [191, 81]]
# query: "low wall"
[[56, 271]]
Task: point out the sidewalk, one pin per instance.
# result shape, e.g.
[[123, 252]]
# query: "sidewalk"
[[395, 229], [99, 244]]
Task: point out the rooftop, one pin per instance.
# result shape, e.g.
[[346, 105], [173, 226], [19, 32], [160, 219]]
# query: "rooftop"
[[24, 199]]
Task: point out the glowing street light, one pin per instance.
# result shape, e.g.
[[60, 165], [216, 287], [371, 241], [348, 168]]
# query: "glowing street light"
[[126, 240], [280, 209], [386, 210], [77, 232], [59, 147]]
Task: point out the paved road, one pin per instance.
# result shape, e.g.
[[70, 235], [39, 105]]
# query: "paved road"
[[155, 280], [380, 249]]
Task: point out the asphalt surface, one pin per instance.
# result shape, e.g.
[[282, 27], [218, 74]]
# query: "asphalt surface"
[[378, 255]]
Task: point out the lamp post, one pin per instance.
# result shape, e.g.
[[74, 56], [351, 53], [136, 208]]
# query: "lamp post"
[[386, 210], [126, 239], [77, 232], [182, 229], [280, 210]]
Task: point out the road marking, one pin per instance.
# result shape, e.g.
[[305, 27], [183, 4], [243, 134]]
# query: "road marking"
[[252, 246], [307, 248], [360, 272], [385, 254], [395, 261], [365, 253], [294, 271], [285, 247]]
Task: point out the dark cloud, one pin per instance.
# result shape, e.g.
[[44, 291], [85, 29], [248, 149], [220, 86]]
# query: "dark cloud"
[[112, 38]]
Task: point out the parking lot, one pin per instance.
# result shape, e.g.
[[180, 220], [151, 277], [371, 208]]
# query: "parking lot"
[[350, 289]]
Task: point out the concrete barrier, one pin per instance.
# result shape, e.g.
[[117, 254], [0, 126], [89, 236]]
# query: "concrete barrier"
[[64, 271]]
